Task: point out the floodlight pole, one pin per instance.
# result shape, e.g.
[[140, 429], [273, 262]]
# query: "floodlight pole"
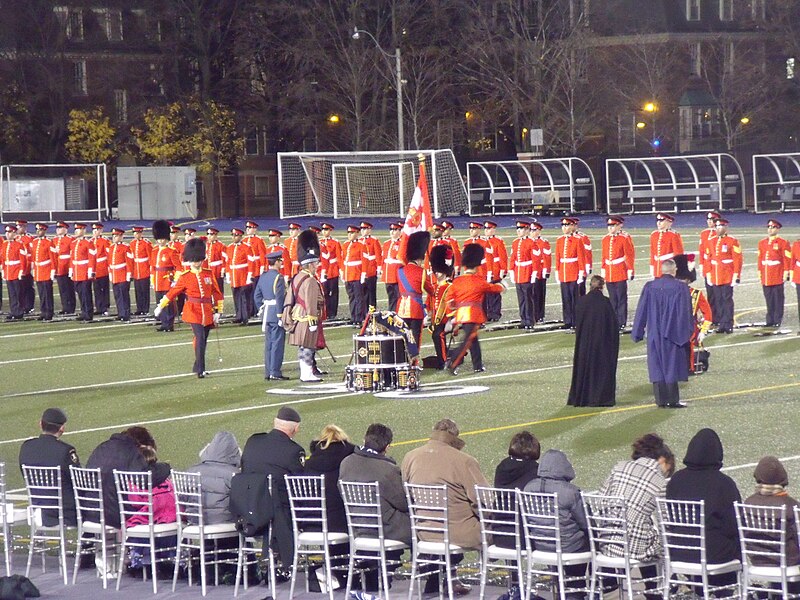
[[398, 82]]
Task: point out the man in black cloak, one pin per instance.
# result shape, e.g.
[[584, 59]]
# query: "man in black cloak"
[[594, 363]]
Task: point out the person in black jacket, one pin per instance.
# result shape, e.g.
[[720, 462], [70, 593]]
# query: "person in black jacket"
[[520, 466], [276, 453], [703, 480], [48, 450]]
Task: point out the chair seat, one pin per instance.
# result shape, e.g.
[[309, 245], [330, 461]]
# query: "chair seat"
[[689, 568], [438, 548], [159, 529], [92, 527], [773, 573], [501, 553], [567, 558], [217, 530], [613, 562], [315, 538], [373, 544], [14, 516]]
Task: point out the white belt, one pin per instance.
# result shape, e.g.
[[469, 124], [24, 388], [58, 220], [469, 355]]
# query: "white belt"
[[723, 261], [215, 263], [120, 266], [352, 263], [334, 260], [665, 256], [771, 263], [616, 261], [524, 263], [369, 256], [80, 262], [569, 260], [42, 263], [547, 251], [393, 261], [145, 259], [797, 262], [102, 259], [272, 302], [12, 262], [239, 266], [64, 256]]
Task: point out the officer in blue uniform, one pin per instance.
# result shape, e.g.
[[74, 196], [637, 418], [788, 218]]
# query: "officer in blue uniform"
[[269, 296]]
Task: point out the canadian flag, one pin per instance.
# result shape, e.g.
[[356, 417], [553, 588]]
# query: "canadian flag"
[[419, 217]]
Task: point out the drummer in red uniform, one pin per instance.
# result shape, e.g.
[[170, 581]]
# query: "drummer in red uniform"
[[442, 261], [466, 301], [204, 300], [412, 281]]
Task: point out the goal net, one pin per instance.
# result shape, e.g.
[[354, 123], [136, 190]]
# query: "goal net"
[[341, 184]]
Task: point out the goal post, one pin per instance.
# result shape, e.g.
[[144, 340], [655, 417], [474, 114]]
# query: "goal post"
[[371, 189], [308, 183]]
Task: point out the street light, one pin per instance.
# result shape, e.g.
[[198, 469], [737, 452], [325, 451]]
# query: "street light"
[[652, 108], [398, 81]]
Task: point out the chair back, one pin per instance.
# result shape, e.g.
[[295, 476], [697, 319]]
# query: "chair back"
[[307, 502], [4, 510], [362, 506], [44, 492], [762, 534], [499, 517], [606, 517], [88, 487], [540, 522], [427, 507], [681, 524], [135, 495], [188, 498]]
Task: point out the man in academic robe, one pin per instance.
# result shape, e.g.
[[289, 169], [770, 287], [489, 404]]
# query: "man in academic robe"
[[594, 362], [665, 312]]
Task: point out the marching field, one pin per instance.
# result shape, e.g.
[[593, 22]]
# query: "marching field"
[[109, 375]]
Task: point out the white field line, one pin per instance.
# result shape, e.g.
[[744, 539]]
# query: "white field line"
[[314, 399]]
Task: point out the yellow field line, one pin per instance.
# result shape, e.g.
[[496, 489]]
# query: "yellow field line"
[[603, 412]]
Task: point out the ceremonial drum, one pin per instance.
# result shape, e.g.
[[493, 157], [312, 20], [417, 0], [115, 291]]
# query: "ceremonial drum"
[[381, 363]]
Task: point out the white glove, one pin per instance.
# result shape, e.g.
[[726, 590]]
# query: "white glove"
[[505, 283], [735, 282], [216, 318], [280, 322], [52, 275], [228, 278], [312, 328], [158, 310], [630, 275], [91, 274], [380, 272], [249, 279], [323, 278], [580, 278], [512, 275], [448, 327], [69, 273], [603, 273], [128, 277], [708, 281], [363, 277], [260, 311], [426, 322], [700, 338]]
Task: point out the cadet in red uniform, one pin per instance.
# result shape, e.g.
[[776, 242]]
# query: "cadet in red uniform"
[[329, 268], [120, 273], [618, 260], [291, 244], [204, 300], [587, 253], [355, 272], [441, 261], [43, 269], [13, 264], [774, 267], [28, 293], [706, 238], [522, 272], [215, 254], [374, 257], [543, 265], [239, 274], [102, 290], [664, 243], [82, 265], [165, 264], [66, 288], [141, 250], [275, 245], [466, 304], [453, 242], [725, 272], [411, 281], [174, 240], [475, 229], [494, 302], [571, 268], [701, 309], [795, 266], [391, 263], [258, 246]]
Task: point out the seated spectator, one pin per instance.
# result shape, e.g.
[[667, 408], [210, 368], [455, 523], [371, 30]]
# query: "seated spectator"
[[520, 466], [640, 481], [703, 480], [219, 461], [555, 476], [122, 452], [772, 482]]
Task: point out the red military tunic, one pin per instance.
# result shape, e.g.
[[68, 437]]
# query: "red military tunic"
[[488, 259], [466, 297], [410, 303], [499, 257], [570, 258], [725, 260], [453, 243], [291, 244], [14, 260], [774, 260], [202, 296], [240, 264], [26, 240], [663, 245], [373, 254], [795, 262], [618, 257], [287, 262], [701, 311], [521, 260], [391, 261], [331, 257], [706, 238], [355, 263], [215, 255], [43, 259], [587, 251], [120, 263], [260, 252], [141, 250], [82, 260], [544, 256], [164, 264], [61, 246], [101, 246]]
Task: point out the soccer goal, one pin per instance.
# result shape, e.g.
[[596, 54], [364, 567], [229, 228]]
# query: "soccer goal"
[[343, 184], [50, 192]]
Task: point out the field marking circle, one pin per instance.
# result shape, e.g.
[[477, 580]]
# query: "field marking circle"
[[312, 388], [439, 392]]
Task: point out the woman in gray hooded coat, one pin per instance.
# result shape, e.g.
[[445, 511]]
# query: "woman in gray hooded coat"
[[220, 461]]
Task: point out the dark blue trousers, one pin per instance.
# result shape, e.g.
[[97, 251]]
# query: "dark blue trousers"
[[274, 338]]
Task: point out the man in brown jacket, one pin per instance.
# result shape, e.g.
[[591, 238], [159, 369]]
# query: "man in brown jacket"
[[441, 461]]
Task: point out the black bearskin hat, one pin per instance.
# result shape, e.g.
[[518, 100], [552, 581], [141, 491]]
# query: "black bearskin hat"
[[685, 267], [442, 259], [417, 245], [194, 251], [472, 256], [308, 247], [161, 230]]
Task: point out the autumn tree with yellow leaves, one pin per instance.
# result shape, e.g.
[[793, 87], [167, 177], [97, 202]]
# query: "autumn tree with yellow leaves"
[[90, 137]]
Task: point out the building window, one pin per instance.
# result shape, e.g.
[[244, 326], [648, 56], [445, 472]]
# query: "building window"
[[791, 71], [75, 24], [692, 10], [251, 140], [79, 84], [261, 187], [111, 23], [626, 130], [729, 57], [726, 10], [121, 105], [758, 9], [695, 59]]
